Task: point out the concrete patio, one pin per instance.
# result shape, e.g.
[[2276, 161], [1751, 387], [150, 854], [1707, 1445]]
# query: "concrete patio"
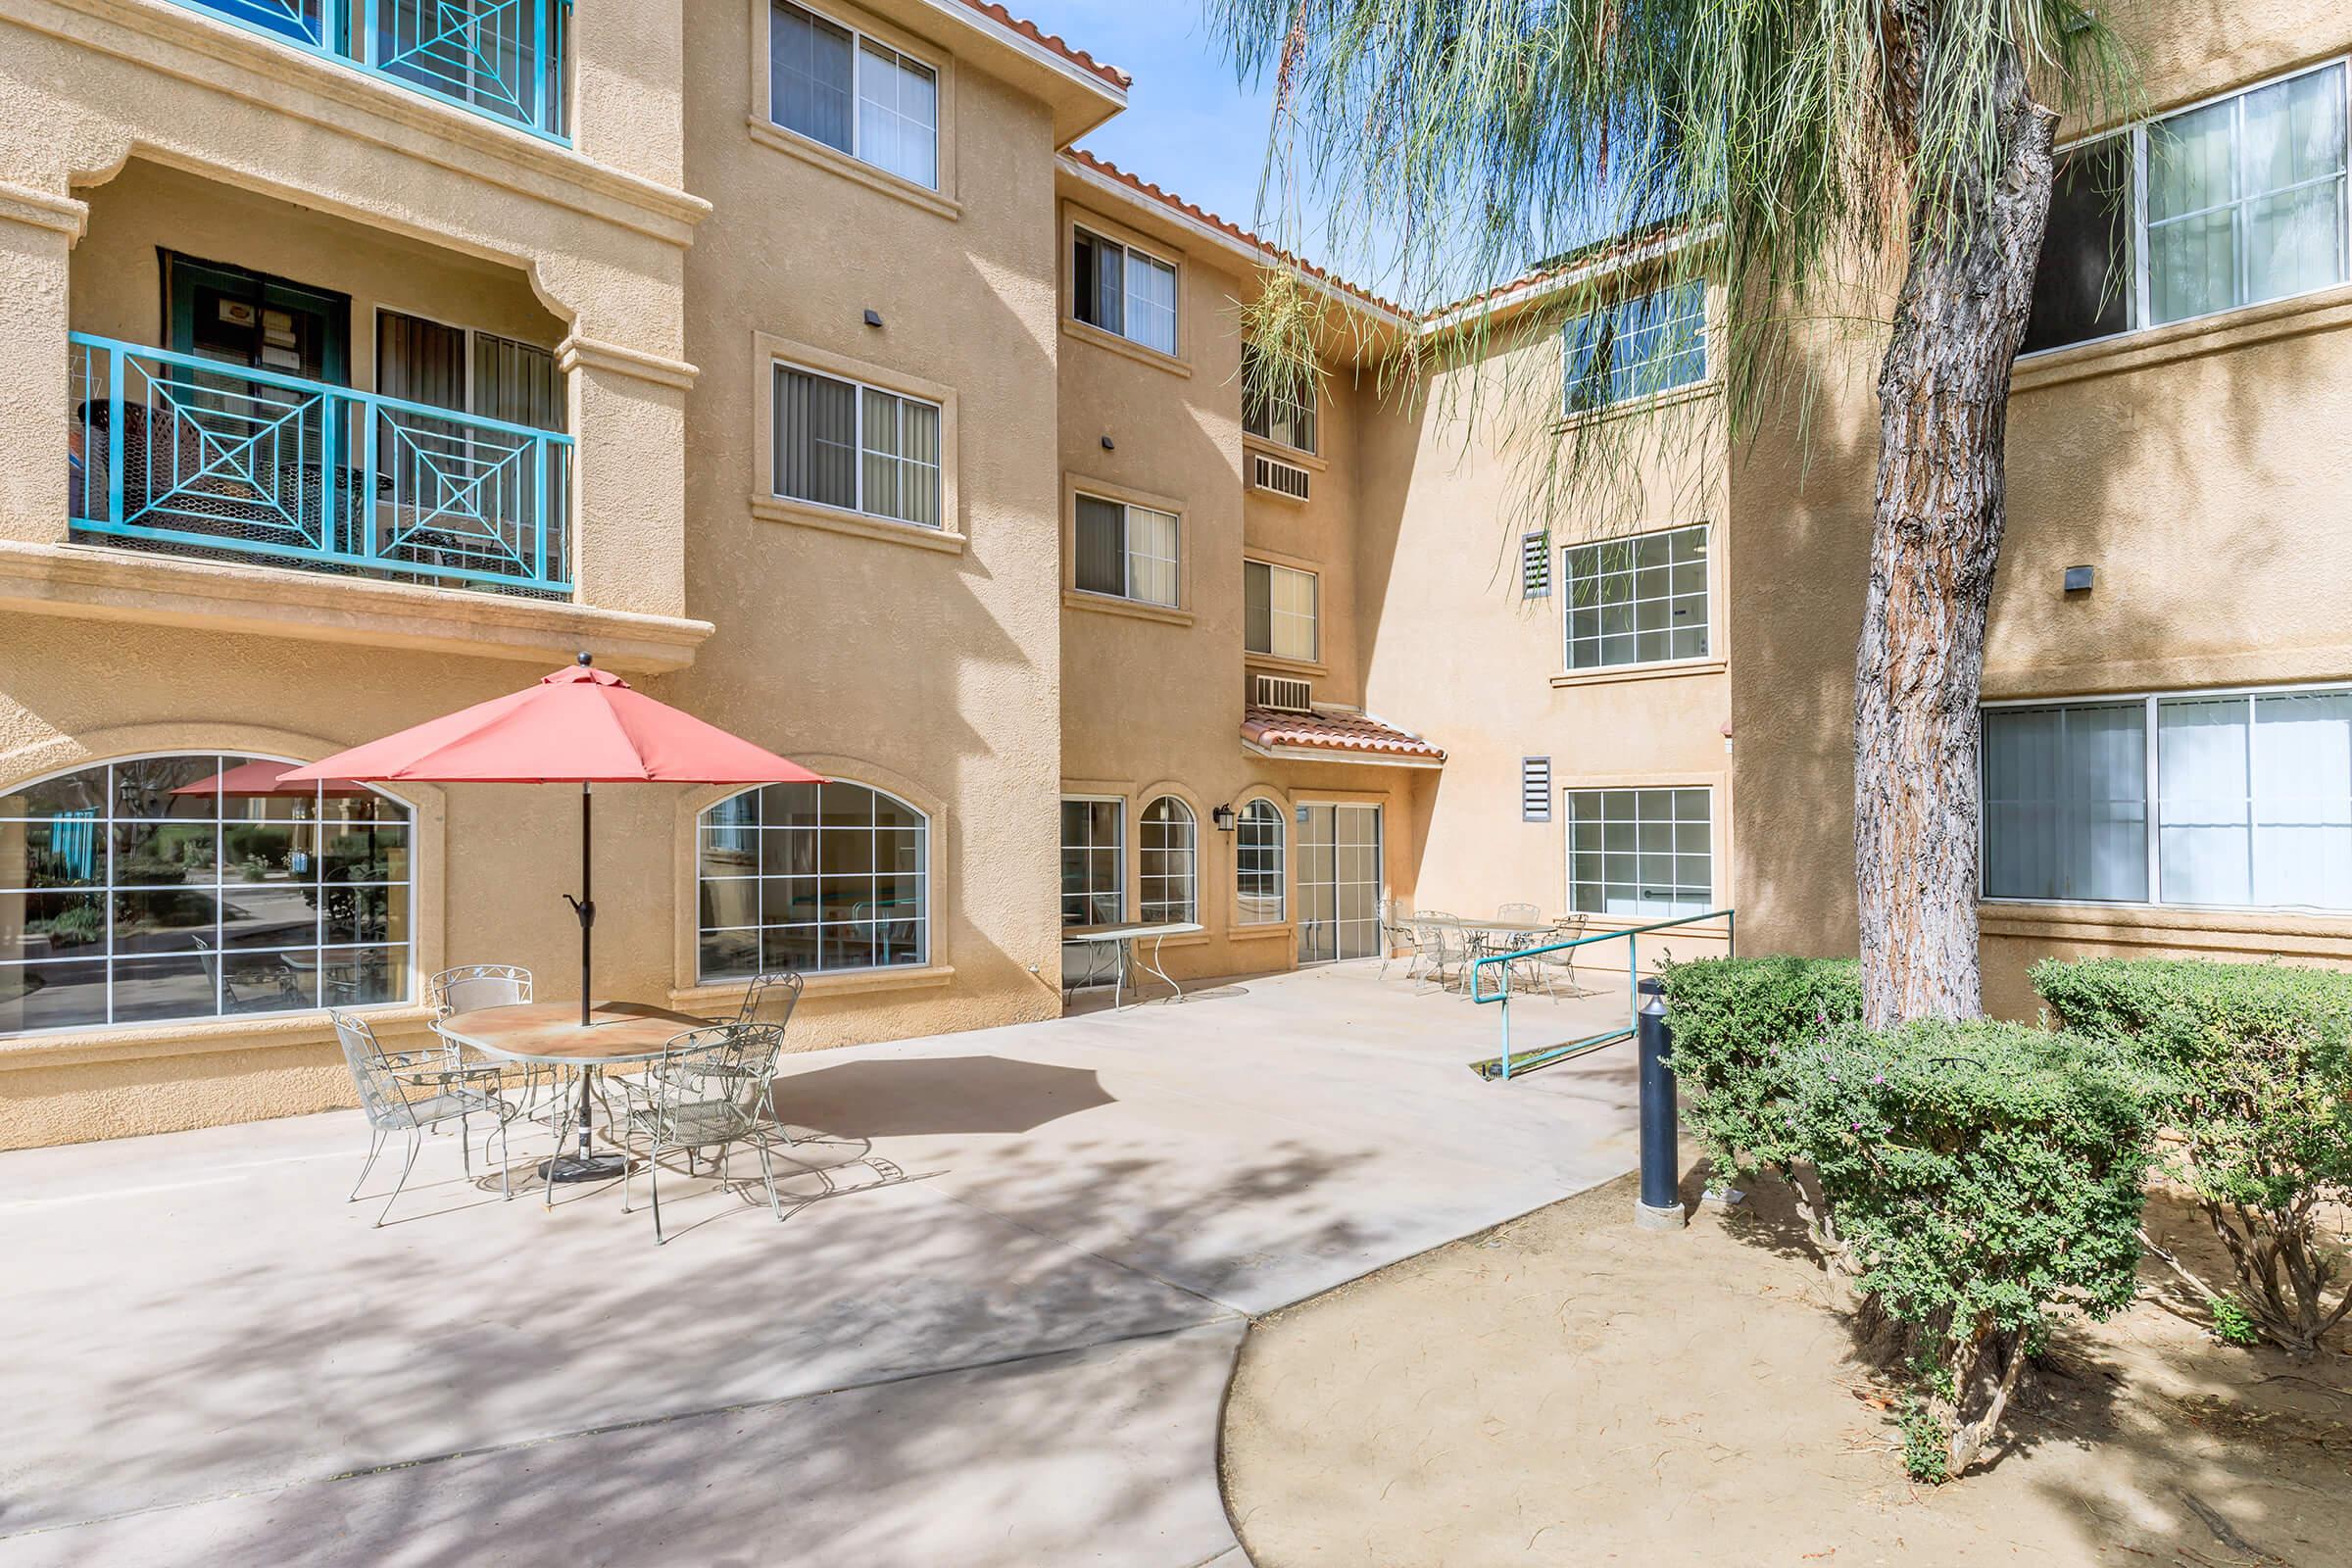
[[994, 1329]]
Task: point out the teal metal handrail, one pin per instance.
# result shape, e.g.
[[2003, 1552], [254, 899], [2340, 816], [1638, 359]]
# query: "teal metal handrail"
[[504, 58], [1500, 1067], [181, 452]]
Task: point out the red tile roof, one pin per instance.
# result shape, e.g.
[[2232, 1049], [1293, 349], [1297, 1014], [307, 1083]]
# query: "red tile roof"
[[1038, 35], [1232, 230], [1333, 732]]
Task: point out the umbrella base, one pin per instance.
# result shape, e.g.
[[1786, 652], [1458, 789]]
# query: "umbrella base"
[[566, 1168]]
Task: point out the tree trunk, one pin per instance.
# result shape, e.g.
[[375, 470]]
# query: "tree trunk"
[[1936, 533]]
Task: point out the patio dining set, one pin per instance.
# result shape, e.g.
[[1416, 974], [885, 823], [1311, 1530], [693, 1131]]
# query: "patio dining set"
[[1442, 949], [699, 1090]]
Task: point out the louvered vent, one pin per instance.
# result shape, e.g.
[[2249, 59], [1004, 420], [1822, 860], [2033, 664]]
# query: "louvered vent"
[[1535, 567], [1534, 789], [1284, 694], [1277, 477]]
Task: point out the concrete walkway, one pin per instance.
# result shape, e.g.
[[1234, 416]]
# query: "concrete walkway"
[[996, 1327]]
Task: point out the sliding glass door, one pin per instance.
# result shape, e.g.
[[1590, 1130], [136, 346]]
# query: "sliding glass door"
[[1339, 883]]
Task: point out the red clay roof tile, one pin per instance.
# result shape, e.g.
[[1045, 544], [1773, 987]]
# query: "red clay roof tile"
[[1054, 41], [1333, 732]]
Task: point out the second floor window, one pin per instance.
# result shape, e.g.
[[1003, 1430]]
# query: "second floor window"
[[1122, 290], [2227, 204], [1278, 611], [1641, 600], [1127, 552], [858, 448], [1650, 343], [854, 94], [1287, 421]]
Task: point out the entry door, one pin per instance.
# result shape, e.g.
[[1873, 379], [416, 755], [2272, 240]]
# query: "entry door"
[[1339, 883]]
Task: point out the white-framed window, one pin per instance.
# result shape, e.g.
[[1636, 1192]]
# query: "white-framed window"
[[856, 446], [1638, 601], [1121, 289], [1093, 861], [812, 877], [855, 94], [1171, 860], [193, 884], [1649, 343], [2224, 204], [1127, 552], [1643, 852], [2249, 794], [1258, 863], [1289, 420], [1278, 611]]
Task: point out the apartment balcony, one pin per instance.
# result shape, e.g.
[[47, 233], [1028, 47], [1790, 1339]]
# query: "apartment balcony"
[[502, 59], [183, 455]]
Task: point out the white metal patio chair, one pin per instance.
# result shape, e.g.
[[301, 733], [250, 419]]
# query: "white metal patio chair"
[[409, 1092], [470, 986], [697, 1098], [1518, 911]]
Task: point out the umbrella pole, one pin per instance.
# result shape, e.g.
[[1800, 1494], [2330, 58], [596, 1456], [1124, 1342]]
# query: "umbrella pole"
[[586, 902]]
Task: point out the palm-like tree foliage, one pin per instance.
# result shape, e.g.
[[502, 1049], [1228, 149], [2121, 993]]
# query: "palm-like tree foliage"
[[1810, 159]]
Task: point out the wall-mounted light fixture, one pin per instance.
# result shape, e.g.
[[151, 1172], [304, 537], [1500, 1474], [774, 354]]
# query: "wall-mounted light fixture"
[[1108, 445], [2078, 579], [1222, 816], [874, 317]]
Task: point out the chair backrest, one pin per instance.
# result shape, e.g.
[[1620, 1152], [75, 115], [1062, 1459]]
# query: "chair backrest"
[[721, 1065], [1518, 911], [756, 995], [478, 985], [380, 1094]]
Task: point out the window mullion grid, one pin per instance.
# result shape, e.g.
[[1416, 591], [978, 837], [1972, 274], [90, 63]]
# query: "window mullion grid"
[[2253, 794], [2153, 790]]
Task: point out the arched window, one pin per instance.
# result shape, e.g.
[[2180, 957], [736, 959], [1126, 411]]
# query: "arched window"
[[1258, 863], [813, 877], [196, 885], [1171, 860]]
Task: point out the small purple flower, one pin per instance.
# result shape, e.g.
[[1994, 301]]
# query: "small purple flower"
[[1857, 1126], [1879, 1078]]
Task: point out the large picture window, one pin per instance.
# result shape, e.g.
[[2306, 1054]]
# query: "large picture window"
[[2221, 205], [194, 886], [1258, 856], [1643, 853], [1171, 862], [854, 94], [1127, 552], [1640, 600], [2250, 793], [1650, 343], [812, 877], [1122, 290], [860, 448]]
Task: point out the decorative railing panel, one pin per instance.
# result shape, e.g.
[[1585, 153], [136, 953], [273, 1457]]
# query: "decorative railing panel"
[[181, 453], [500, 58]]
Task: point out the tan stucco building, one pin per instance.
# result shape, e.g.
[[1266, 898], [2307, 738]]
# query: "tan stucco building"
[[788, 360]]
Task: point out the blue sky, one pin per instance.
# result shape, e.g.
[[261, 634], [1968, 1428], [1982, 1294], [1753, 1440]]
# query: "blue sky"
[[1189, 126]]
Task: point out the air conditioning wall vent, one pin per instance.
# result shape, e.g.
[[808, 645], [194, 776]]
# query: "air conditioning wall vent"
[[1284, 693], [1279, 479]]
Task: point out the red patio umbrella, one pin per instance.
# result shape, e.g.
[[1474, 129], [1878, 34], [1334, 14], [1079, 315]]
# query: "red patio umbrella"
[[577, 726], [266, 778]]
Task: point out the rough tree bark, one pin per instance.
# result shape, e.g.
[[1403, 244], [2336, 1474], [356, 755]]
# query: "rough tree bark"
[[1936, 533]]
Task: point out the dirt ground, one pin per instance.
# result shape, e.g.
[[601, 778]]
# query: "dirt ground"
[[1568, 1390]]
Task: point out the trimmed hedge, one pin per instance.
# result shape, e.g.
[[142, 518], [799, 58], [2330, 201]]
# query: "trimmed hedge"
[[1734, 1020], [1981, 1174], [2260, 1061]]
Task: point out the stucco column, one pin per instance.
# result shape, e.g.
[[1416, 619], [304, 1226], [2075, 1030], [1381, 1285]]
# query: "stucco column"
[[629, 86], [37, 231], [628, 415]]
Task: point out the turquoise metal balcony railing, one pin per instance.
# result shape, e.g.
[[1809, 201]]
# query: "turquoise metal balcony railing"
[[500, 58], [192, 457]]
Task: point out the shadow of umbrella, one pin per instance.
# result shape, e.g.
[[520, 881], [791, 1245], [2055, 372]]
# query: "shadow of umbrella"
[[936, 1095]]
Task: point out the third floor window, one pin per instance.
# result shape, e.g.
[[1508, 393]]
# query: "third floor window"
[[1289, 420], [1122, 290], [853, 93]]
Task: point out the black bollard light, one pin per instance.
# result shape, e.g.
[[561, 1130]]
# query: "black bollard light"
[[1660, 1206]]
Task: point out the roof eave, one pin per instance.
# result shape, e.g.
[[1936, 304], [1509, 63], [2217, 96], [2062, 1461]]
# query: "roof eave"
[[1333, 753]]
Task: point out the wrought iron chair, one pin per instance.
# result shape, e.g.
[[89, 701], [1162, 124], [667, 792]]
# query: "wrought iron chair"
[[483, 985], [399, 1095], [1518, 911], [1445, 944], [698, 1097], [1398, 940], [1561, 968], [755, 996]]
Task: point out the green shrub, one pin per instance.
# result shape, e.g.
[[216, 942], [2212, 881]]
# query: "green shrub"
[[2260, 1057], [1981, 1174], [1737, 1024]]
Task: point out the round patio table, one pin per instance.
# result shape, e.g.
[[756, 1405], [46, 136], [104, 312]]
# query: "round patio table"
[[551, 1034]]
